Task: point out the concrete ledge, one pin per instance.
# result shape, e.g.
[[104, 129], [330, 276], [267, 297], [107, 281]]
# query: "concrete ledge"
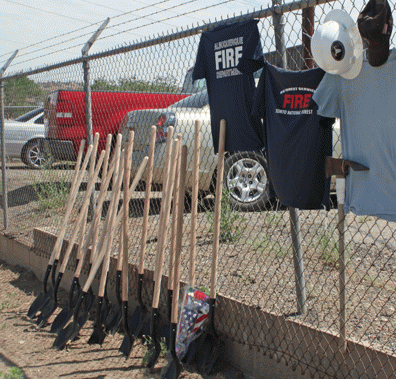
[[260, 344]]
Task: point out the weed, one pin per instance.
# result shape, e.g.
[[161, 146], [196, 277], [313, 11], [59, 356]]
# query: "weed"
[[265, 246], [231, 222], [148, 342], [12, 373], [328, 246], [363, 219], [8, 304], [271, 219], [53, 192]]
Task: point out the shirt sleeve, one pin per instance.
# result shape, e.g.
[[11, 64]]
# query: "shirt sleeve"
[[258, 108], [328, 96], [200, 62]]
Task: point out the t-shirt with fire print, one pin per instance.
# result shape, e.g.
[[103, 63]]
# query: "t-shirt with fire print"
[[231, 91], [297, 138]]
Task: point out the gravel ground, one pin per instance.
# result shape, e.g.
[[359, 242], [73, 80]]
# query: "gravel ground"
[[257, 266]]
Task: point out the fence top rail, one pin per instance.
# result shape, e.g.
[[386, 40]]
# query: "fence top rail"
[[262, 13]]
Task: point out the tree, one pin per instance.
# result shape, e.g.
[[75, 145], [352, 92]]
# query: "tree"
[[133, 85], [21, 92]]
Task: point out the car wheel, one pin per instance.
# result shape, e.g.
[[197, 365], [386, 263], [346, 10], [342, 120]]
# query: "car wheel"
[[34, 157], [246, 180]]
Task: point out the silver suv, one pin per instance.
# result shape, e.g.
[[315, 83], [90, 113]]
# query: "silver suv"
[[245, 172]]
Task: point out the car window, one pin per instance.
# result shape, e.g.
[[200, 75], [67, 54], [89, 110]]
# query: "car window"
[[40, 120], [198, 100], [28, 116]]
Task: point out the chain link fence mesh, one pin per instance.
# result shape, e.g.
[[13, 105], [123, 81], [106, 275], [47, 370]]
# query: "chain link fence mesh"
[[256, 261]]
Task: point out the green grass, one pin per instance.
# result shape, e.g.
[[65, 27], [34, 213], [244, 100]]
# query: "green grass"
[[53, 191], [164, 349], [12, 373], [328, 247], [265, 246], [231, 222]]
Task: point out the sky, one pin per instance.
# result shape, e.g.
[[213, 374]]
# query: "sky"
[[47, 32], [50, 31]]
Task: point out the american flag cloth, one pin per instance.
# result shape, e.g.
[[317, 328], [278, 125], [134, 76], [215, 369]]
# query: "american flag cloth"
[[193, 315]]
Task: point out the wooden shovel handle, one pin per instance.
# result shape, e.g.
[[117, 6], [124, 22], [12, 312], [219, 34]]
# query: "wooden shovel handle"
[[132, 188], [123, 248], [172, 248], [179, 233], [72, 186], [110, 224], [165, 184], [81, 217], [217, 211], [69, 207], [84, 224], [163, 230], [123, 260], [147, 196], [93, 231], [194, 200]]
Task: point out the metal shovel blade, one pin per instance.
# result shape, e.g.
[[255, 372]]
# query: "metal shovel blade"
[[113, 319], [41, 298], [208, 352], [154, 346], [98, 334], [61, 319], [72, 329], [174, 368], [64, 336], [36, 305], [67, 312], [47, 310]]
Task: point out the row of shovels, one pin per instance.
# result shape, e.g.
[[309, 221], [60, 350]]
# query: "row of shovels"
[[114, 164]]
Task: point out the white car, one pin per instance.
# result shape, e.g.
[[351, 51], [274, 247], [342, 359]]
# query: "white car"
[[22, 137]]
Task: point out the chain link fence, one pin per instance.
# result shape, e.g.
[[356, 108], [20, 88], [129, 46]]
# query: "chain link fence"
[[257, 258]]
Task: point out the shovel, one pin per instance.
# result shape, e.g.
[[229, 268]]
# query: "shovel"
[[189, 357], [52, 303], [141, 314], [154, 347], [113, 319], [53, 261], [67, 312], [174, 368], [209, 342], [165, 332], [98, 334], [78, 322], [73, 328]]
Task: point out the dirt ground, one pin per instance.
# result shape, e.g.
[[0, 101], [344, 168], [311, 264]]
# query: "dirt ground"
[[24, 345]]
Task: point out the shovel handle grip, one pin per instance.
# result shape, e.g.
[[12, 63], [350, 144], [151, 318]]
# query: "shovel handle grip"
[[217, 211]]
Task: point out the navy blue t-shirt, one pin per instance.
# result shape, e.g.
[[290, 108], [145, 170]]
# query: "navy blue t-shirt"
[[297, 138], [231, 91]]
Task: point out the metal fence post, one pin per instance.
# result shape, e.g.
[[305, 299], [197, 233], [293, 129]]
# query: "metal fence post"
[[3, 155], [88, 101], [279, 27]]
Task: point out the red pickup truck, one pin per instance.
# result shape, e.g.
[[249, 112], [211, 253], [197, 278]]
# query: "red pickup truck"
[[65, 124]]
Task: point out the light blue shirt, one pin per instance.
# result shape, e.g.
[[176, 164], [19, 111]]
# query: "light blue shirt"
[[366, 106]]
